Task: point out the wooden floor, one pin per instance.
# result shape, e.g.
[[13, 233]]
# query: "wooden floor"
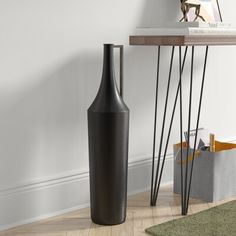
[[139, 216]]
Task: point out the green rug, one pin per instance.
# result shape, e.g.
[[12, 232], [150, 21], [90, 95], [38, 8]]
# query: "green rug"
[[216, 221]]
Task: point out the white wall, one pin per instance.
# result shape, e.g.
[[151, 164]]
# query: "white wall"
[[51, 58]]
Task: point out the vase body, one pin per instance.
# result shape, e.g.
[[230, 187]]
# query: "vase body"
[[108, 131]]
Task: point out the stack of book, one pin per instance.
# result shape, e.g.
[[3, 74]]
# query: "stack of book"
[[189, 28]]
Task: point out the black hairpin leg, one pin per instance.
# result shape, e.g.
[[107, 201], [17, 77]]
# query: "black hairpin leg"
[[158, 174], [181, 123], [186, 176], [163, 125], [155, 124], [186, 180]]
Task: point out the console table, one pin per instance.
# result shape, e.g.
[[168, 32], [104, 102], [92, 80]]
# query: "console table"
[[177, 41]]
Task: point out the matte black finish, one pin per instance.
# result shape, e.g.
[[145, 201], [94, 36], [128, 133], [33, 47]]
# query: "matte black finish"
[[163, 125], [171, 123], [155, 126], [186, 179], [108, 130], [160, 165], [181, 127], [195, 140], [121, 47]]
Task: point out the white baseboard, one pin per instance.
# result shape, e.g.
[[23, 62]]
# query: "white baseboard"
[[40, 199]]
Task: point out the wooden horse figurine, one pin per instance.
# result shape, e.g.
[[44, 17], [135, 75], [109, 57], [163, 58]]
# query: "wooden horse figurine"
[[185, 7]]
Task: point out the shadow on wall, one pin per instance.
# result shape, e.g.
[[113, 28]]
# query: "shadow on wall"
[[142, 73], [157, 12], [44, 129], [51, 115]]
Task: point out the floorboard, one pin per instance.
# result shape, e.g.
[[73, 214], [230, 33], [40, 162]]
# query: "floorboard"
[[139, 216]]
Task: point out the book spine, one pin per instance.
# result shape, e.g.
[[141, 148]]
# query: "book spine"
[[212, 143], [196, 24], [187, 31], [211, 31]]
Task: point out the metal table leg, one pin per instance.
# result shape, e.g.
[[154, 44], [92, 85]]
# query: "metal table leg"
[[157, 173], [160, 166], [187, 179]]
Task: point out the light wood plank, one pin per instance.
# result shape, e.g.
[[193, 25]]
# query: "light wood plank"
[[139, 216], [98, 230], [126, 228]]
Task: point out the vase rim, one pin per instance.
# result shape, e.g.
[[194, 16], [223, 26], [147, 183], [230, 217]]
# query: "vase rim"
[[108, 44]]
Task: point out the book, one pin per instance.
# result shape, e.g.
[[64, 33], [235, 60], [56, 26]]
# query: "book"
[[186, 31], [202, 138], [195, 24]]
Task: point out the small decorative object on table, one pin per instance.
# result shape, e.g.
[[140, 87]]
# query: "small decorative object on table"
[[108, 131], [203, 10]]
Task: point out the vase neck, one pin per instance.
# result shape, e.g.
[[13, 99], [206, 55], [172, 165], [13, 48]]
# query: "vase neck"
[[108, 75], [108, 98]]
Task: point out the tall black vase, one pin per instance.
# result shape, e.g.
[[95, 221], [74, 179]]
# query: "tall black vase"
[[108, 130]]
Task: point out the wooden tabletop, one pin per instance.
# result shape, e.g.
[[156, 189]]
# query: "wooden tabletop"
[[182, 40]]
